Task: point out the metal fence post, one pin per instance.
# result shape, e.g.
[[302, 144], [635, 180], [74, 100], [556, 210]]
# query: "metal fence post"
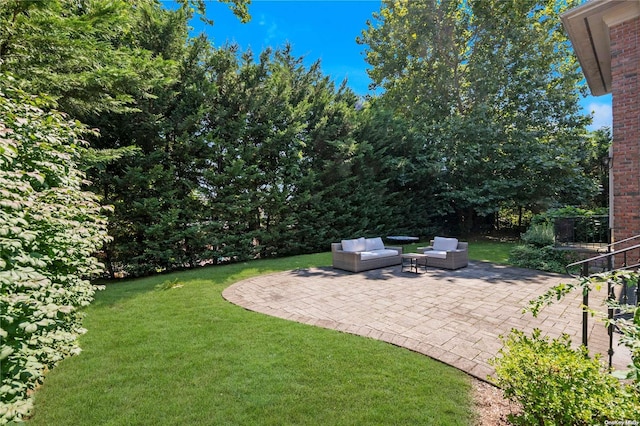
[[585, 303], [610, 314]]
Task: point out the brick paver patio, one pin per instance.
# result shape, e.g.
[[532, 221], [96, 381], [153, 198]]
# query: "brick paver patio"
[[453, 316]]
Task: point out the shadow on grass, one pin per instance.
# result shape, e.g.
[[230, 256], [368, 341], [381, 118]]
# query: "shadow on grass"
[[311, 265], [120, 290], [484, 271]]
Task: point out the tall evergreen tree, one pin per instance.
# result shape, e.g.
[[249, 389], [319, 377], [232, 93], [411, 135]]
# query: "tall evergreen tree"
[[83, 53], [157, 211], [281, 141]]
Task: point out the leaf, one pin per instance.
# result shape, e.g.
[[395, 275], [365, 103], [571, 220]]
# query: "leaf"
[[5, 352]]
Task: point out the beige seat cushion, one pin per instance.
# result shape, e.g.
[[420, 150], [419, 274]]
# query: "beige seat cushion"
[[377, 254], [436, 253]]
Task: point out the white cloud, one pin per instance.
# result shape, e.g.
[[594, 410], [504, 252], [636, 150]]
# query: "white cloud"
[[602, 115], [271, 31]]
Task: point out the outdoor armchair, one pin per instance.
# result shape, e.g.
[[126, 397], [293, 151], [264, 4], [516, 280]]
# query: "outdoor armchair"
[[448, 253]]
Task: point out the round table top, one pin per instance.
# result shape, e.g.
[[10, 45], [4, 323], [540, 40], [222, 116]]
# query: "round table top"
[[402, 238]]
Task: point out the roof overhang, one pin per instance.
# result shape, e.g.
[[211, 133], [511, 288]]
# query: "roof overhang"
[[588, 28]]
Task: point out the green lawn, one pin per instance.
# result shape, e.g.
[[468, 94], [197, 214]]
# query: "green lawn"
[[480, 249], [490, 251], [169, 350]]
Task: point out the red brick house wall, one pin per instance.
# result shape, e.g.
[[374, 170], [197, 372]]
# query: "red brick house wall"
[[625, 71]]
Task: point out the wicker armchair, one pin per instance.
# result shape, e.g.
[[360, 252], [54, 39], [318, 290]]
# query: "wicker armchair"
[[442, 254]]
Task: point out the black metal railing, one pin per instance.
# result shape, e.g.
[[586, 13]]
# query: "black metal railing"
[[627, 258], [582, 231]]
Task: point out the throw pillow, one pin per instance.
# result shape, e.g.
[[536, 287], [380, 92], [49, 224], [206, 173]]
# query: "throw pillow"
[[354, 245], [445, 244], [374, 244]]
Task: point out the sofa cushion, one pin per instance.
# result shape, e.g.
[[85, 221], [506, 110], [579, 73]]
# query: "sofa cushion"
[[436, 253], [377, 254], [445, 244], [374, 244], [354, 245]]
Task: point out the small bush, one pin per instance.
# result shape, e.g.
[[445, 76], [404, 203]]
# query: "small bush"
[[540, 235], [541, 258], [558, 385]]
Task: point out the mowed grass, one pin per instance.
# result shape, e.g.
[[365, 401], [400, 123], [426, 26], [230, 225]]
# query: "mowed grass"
[[480, 249], [169, 350], [490, 251]]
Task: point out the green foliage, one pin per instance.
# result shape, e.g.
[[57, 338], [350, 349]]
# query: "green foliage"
[[541, 235], [596, 163], [238, 7], [248, 157], [493, 138], [398, 172], [542, 258], [212, 155], [538, 251], [630, 329], [568, 211], [579, 224], [558, 385], [511, 217], [89, 54], [629, 326], [49, 228]]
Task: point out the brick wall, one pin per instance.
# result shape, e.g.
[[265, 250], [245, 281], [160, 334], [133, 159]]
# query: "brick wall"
[[625, 69]]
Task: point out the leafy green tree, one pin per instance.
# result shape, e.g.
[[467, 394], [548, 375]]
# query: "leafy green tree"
[[49, 230], [596, 163], [106, 64], [494, 87], [157, 219], [342, 194], [238, 7]]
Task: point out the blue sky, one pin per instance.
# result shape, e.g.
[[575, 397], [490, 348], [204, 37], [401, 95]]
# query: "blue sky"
[[325, 30]]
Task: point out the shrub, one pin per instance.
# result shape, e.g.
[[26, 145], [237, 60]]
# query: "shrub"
[[628, 323], [558, 385], [541, 258], [539, 235], [49, 228]]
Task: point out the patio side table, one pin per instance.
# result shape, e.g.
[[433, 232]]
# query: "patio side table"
[[413, 261]]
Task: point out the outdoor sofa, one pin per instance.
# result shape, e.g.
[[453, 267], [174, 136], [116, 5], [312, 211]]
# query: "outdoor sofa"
[[362, 254], [448, 253]]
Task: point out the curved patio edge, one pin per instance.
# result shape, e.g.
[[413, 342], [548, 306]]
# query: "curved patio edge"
[[455, 317]]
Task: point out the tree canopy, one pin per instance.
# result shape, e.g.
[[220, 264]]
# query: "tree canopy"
[[494, 88]]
